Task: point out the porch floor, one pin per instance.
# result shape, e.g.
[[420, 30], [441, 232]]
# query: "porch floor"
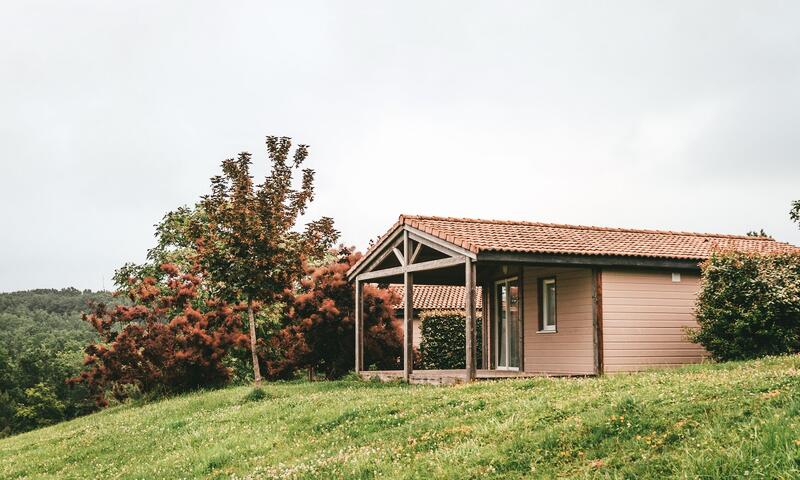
[[442, 377]]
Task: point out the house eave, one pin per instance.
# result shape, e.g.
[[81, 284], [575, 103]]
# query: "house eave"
[[588, 260]]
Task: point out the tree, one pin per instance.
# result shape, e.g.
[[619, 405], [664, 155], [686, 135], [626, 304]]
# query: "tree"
[[320, 331], [247, 244], [168, 339], [794, 213], [41, 407], [759, 233], [175, 244]]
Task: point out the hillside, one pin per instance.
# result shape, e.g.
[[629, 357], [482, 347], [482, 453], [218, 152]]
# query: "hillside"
[[711, 421]]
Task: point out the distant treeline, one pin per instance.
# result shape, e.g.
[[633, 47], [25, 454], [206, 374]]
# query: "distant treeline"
[[42, 338]]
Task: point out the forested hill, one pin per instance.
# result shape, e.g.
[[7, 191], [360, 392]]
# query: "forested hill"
[[64, 301], [42, 338]]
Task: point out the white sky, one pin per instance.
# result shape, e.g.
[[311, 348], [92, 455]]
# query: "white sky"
[[669, 115]]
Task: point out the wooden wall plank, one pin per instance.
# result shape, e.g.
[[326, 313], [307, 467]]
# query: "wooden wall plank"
[[646, 315]]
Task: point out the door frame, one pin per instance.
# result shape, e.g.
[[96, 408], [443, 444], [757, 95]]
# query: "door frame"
[[495, 318]]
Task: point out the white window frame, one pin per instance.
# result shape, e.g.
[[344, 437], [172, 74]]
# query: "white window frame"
[[546, 306]]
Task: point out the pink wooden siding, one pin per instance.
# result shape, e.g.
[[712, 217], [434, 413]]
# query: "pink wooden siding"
[[571, 349], [417, 333], [644, 317]]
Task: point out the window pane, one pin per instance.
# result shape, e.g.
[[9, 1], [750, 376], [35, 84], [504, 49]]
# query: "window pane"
[[550, 313], [500, 302], [513, 324]]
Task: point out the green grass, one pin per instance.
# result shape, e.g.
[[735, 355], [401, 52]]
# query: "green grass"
[[736, 420]]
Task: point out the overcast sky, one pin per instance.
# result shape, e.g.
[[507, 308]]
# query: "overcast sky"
[[679, 116]]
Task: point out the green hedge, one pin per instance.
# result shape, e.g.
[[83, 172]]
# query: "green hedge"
[[749, 305], [443, 344]]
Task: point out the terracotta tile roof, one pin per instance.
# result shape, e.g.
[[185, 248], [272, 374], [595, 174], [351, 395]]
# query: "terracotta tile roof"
[[534, 237], [550, 238], [437, 297]]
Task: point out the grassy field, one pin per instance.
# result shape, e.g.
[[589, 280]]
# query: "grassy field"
[[737, 420]]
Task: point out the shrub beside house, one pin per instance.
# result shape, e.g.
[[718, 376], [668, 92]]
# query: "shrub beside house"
[[749, 305]]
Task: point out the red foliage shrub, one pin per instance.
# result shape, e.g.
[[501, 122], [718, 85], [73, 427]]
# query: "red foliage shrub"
[[320, 328], [169, 339]]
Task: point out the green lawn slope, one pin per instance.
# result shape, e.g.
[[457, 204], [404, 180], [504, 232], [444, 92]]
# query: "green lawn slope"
[[736, 420]]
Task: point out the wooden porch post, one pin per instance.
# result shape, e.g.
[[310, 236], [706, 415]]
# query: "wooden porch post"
[[469, 308], [408, 312], [359, 327], [597, 319]]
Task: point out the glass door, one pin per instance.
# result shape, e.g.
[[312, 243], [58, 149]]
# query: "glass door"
[[506, 323]]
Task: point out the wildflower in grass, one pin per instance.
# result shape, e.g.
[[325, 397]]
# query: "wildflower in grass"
[[770, 394], [597, 464]]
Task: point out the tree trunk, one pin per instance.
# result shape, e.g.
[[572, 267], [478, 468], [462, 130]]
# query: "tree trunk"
[[251, 318]]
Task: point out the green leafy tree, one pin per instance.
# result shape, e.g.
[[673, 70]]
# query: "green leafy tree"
[[175, 245], [247, 243], [759, 233], [41, 407], [794, 213]]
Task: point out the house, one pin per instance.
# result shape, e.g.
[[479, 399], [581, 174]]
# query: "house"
[[429, 298], [559, 299]]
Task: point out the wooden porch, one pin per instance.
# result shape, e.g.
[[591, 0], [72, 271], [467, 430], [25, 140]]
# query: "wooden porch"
[[441, 377], [408, 255]]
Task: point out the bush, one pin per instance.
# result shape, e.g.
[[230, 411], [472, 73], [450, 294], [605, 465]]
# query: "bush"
[[256, 395], [749, 305], [443, 344], [319, 334], [168, 341]]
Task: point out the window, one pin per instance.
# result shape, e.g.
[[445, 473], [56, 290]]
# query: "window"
[[507, 328], [547, 305]]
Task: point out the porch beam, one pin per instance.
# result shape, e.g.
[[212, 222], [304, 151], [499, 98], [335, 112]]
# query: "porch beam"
[[382, 254], [408, 313], [399, 256], [385, 247], [417, 248], [469, 308], [416, 267], [359, 360]]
